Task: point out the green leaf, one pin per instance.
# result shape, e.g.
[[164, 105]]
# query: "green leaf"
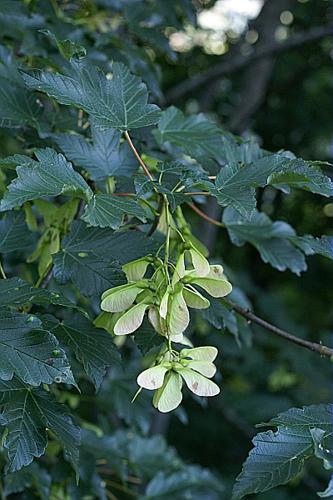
[[102, 158], [120, 102], [196, 135], [27, 413], [245, 170], [51, 175], [311, 245], [31, 476], [193, 482], [17, 292], [18, 106], [107, 210], [271, 239], [236, 182], [302, 175], [278, 457], [67, 48], [233, 186], [147, 339], [93, 347], [84, 260], [90, 273], [14, 233], [221, 317], [30, 352]]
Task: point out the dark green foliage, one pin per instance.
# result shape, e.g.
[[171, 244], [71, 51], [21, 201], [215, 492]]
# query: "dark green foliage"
[[100, 167]]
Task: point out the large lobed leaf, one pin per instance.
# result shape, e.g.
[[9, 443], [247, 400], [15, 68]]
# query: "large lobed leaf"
[[276, 241], [17, 292], [102, 158], [236, 182], [93, 347], [27, 414], [277, 457], [196, 135], [18, 106], [119, 102], [14, 233], [30, 352], [106, 210], [90, 257], [51, 175], [271, 239]]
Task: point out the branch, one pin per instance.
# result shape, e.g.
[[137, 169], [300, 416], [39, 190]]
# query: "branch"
[[235, 63], [138, 157], [312, 346], [47, 278], [205, 216]]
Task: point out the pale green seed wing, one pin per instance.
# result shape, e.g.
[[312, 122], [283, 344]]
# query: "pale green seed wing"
[[179, 271], [164, 304], [194, 299], [179, 317], [215, 287], [110, 291], [200, 263], [152, 378], [155, 320], [198, 384], [204, 353], [216, 272], [169, 396], [130, 320], [206, 368], [120, 300], [136, 269]]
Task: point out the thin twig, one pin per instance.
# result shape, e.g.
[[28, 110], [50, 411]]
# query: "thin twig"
[[205, 216], [312, 346], [2, 272], [138, 157], [111, 495], [198, 193], [120, 487], [157, 217], [123, 194], [45, 280]]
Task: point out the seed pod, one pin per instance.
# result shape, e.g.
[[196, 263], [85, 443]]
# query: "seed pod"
[[120, 298], [178, 315], [198, 384], [152, 378], [215, 283], [194, 299], [204, 353], [131, 320], [169, 396], [136, 269]]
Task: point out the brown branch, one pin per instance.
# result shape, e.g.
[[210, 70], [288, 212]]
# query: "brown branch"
[[312, 346], [235, 63], [138, 157], [205, 216], [44, 280]]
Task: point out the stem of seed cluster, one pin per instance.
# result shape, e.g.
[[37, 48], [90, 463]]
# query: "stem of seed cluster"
[[167, 239]]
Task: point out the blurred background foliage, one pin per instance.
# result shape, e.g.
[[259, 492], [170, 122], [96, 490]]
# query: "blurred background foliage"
[[284, 99]]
